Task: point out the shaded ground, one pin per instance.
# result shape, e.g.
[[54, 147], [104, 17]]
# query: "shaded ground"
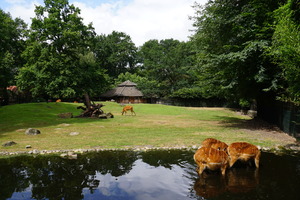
[[257, 128]]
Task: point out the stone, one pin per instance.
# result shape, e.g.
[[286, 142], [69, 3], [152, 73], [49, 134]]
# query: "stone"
[[252, 113], [28, 146], [106, 116], [65, 115], [8, 144], [32, 131], [74, 133]]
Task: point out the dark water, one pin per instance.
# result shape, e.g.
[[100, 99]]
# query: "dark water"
[[166, 175]]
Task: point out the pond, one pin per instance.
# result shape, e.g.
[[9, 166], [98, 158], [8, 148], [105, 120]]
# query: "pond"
[[130, 175]]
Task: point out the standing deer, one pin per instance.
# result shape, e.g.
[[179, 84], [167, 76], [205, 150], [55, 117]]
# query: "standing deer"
[[127, 108]]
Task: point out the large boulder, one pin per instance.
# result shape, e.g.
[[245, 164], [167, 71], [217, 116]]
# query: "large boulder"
[[32, 131]]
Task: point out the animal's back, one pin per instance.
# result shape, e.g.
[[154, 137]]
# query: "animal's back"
[[214, 143]]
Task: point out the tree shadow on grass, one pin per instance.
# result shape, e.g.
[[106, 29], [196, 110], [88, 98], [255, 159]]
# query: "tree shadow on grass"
[[249, 124], [37, 115]]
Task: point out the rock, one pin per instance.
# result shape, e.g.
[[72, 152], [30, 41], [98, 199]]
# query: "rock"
[[252, 113], [74, 133], [65, 115], [63, 155], [28, 146], [32, 131], [35, 151], [106, 116], [8, 144]]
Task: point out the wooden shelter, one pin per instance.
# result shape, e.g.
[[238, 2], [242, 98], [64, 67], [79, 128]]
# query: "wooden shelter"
[[125, 92]]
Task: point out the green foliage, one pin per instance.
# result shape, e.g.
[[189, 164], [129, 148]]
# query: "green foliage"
[[286, 48], [232, 37], [188, 93], [116, 53], [11, 45], [169, 61], [60, 62]]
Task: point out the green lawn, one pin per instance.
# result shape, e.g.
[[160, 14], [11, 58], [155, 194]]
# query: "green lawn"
[[155, 125]]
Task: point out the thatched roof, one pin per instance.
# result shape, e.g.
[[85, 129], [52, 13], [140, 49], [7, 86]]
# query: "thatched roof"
[[125, 89]]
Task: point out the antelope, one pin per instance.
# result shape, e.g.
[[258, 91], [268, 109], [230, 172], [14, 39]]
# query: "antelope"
[[243, 151], [126, 108], [214, 143], [210, 158]]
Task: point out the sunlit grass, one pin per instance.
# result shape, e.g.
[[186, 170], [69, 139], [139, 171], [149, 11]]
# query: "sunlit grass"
[[154, 125]]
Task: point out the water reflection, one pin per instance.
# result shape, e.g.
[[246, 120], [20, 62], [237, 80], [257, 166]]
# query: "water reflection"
[[145, 175]]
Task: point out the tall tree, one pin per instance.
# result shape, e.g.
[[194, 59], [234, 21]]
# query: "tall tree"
[[231, 37], [286, 48], [60, 62], [167, 61], [116, 53], [12, 36]]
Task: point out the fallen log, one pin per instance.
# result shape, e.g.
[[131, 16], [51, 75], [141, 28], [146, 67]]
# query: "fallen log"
[[93, 111]]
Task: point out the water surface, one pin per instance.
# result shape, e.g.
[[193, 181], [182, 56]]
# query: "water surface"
[[129, 175]]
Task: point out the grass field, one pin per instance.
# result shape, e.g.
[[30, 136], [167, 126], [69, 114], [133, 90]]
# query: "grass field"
[[154, 125]]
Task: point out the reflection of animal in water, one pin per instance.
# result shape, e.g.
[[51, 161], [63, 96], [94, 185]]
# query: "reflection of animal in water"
[[210, 185], [214, 143], [210, 158], [244, 152], [241, 180], [237, 180], [127, 108]]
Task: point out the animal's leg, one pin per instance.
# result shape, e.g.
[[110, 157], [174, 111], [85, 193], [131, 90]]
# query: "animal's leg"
[[257, 157], [201, 168], [233, 159], [223, 169]]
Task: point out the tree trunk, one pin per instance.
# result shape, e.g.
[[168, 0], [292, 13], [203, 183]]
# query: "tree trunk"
[[90, 110], [87, 101]]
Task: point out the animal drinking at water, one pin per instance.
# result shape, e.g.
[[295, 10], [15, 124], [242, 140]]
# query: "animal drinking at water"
[[127, 108], [214, 143], [210, 158], [243, 151]]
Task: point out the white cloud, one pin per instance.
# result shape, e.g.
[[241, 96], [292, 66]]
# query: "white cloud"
[[22, 9], [141, 19]]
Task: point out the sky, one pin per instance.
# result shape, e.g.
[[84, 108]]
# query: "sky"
[[142, 20]]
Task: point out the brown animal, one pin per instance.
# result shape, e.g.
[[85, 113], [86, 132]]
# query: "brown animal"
[[127, 108], [58, 100], [210, 158], [243, 151], [214, 143]]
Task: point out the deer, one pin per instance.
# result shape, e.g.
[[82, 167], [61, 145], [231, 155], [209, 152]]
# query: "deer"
[[214, 143], [243, 151], [212, 159], [127, 108]]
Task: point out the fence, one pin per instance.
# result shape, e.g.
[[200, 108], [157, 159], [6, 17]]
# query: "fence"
[[285, 115]]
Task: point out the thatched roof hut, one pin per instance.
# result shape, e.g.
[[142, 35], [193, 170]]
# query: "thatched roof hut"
[[125, 92]]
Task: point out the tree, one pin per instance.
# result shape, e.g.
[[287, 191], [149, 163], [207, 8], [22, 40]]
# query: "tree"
[[116, 53], [286, 48], [232, 37], [167, 61], [59, 56], [12, 34]]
